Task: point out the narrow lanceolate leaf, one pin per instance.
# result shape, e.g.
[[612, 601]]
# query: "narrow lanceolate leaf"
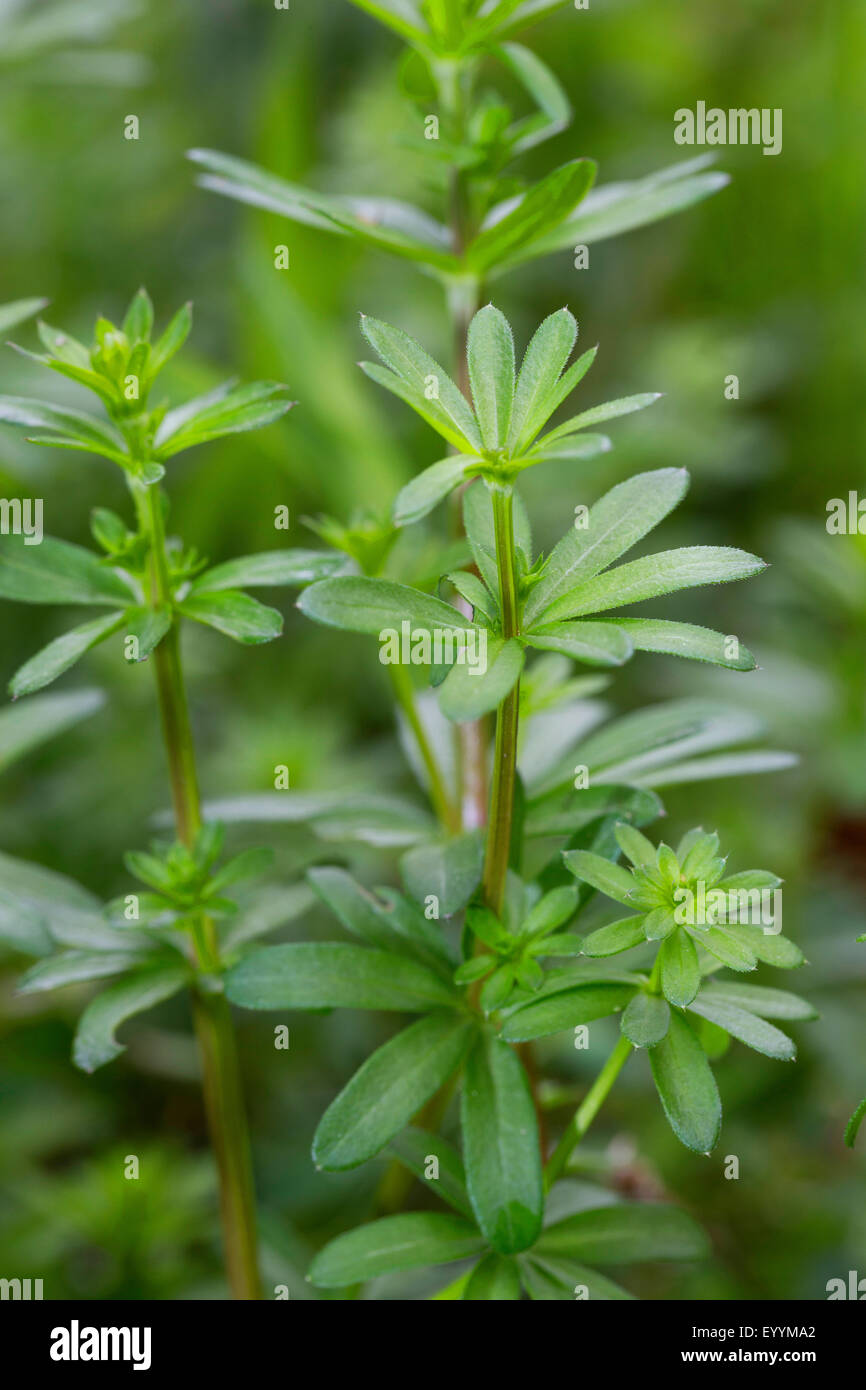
[[536, 77], [720, 943], [547, 203], [469, 691], [148, 626], [543, 364], [748, 1027], [490, 353], [596, 644], [500, 1146], [271, 568], [687, 1086], [17, 311], [430, 488], [408, 1241], [59, 655], [234, 614], [334, 975], [852, 1128], [768, 946], [576, 447], [414, 1148], [610, 410], [617, 522], [566, 1009], [618, 936], [664, 573], [74, 967], [57, 572], [688, 640], [494, 1279], [170, 341], [646, 1019], [423, 374], [230, 409], [599, 873], [623, 1234], [27, 726], [95, 1043], [389, 1089], [359, 604], [561, 1280], [680, 972], [769, 1003], [449, 870], [48, 424]]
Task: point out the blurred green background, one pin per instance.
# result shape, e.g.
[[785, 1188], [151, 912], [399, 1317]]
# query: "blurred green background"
[[764, 280]]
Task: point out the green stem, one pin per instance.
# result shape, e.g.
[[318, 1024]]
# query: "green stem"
[[505, 750], [224, 1105], [587, 1111], [404, 695]]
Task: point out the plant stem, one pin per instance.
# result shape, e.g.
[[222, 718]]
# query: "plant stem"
[[213, 1022], [505, 751], [587, 1111], [447, 813]]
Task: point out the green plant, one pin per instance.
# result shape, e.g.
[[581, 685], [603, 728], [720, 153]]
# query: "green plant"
[[179, 933], [502, 980]]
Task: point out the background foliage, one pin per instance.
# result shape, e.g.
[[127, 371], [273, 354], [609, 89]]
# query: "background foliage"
[[759, 281]]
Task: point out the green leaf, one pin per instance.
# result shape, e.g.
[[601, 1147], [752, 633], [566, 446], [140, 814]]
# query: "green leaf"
[[95, 1043], [429, 488], [57, 572], [139, 317], [469, 691], [74, 967], [333, 975], [748, 1027], [18, 311], [543, 364], [423, 375], [565, 1009], [359, 911], [653, 575], [230, 409], [853, 1125], [610, 410], [408, 1241], [270, 568], [685, 639], [618, 521], [490, 356], [551, 911], [374, 606], [680, 972], [449, 870], [545, 205], [577, 447], [596, 644], [687, 1087], [601, 874], [415, 1147], [726, 948], [389, 1089], [170, 341], [646, 1020], [61, 654], [148, 626], [618, 936], [616, 208], [476, 593], [500, 1146], [768, 1003], [625, 1233], [544, 88], [234, 614], [399, 15], [769, 947], [560, 1280], [494, 1279], [65, 428], [27, 726]]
